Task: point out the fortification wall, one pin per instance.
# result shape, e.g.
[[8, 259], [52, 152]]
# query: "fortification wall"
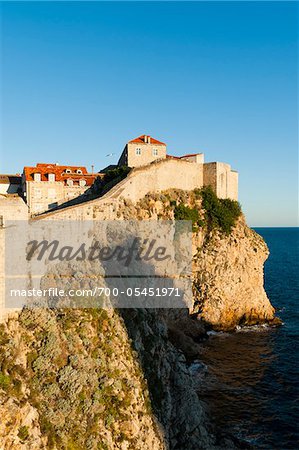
[[166, 174], [210, 175], [233, 185], [11, 208], [223, 180], [155, 177], [159, 176]]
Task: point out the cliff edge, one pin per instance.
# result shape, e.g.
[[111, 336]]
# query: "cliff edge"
[[228, 256], [229, 279], [95, 379]]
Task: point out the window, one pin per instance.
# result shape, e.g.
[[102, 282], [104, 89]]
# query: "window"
[[79, 171], [138, 151], [38, 207], [37, 193], [37, 177], [82, 183], [51, 177], [68, 171], [51, 193], [69, 182], [155, 152]]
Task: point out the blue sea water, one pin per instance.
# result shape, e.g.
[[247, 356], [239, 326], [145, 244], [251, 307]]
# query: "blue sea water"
[[252, 378]]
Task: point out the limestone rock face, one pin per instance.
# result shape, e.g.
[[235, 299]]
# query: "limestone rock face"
[[228, 269], [78, 384], [16, 423], [100, 379], [173, 392], [228, 278]]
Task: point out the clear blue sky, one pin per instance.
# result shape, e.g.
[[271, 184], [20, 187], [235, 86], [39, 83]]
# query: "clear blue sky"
[[80, 79]]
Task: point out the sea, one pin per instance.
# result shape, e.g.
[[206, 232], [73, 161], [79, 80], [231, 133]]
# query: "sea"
[[250, 378]]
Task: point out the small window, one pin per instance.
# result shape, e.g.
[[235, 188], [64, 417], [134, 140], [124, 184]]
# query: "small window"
[[82, 183], [37, 177], [51, 177], [155, 152], [37, 193], [52, 193], [38, 207], [68, 171], [138, 151], [69, 182], [79, 171]]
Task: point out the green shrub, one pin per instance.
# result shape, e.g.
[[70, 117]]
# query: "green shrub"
[[4, 381], [183, 212], [23, 433], [118, 172], [219, 213]]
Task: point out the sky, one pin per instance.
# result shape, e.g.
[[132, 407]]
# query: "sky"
[[80, 79]]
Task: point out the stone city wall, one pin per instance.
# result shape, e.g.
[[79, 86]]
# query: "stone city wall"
[[11, 208], [223, 180], [155, 177]]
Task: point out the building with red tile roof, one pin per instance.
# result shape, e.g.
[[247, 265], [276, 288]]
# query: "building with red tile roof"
[[141, 151], [145, 150], [46, 186], [145, 139]]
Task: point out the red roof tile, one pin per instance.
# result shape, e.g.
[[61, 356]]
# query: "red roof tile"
[[141, 140], [60, 173]]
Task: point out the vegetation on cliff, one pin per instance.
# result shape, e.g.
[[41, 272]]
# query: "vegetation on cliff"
[[110, 179], [117, 173], [76, 372], [220, 213], [94, 379], [228, 256], [201, 206]]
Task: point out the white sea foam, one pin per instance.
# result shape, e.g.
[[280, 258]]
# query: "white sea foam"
[[255, 328]]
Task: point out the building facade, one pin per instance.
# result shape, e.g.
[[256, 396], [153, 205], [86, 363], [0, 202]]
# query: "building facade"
[[145, 150], [141, 151], [46, 186], [222, 178]]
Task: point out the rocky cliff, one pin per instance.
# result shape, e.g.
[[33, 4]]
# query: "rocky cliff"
[[96, 379], [228, 257], [70, 380], [229, 278]]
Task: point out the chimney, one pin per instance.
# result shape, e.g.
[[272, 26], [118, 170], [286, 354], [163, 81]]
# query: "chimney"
[[149, 139], [92, 167], [145, 138]]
